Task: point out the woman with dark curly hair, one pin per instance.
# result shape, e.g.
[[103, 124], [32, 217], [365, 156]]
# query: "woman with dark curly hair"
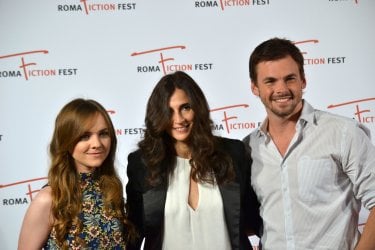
[[82, 206], [188, 189]]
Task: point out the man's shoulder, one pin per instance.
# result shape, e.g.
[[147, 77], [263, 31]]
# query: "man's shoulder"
[[329, 117], [335, 122], [323, 115], [247, 138]]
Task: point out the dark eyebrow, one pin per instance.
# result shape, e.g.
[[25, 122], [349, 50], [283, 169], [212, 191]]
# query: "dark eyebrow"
[[99, 131], [291, 75], [103, 130], [184, 105], [268, 79]]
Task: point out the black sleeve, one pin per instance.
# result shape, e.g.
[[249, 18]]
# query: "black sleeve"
[[250, 204], [134, 202]]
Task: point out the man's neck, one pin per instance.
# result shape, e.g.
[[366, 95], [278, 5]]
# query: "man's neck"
[[282, 130], [280, 124]]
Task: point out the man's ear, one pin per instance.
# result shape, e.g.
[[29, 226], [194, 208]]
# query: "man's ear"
[[254, 89], [304, 83]]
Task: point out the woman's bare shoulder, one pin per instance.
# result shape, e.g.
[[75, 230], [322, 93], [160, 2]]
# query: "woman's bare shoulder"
[[44, 196]]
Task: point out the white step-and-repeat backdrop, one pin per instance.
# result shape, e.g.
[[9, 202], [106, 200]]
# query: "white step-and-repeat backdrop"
[[115, 51]]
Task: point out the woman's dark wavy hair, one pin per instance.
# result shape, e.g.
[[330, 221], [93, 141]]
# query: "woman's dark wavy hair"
[[207, 160], [275, 49]]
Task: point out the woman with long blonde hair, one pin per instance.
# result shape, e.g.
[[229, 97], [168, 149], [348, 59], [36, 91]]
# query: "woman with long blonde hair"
[[82, 206]]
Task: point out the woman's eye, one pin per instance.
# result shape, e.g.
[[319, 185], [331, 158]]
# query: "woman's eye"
[[104, 134], [186, 107], [85, 137]]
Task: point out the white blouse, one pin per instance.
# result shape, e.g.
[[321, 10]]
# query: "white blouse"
[[185, 228]]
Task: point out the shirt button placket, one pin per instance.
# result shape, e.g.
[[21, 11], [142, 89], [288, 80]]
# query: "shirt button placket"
[[287, 208]]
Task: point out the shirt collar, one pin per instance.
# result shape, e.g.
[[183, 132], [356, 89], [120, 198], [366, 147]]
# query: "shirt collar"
[[307, 116]]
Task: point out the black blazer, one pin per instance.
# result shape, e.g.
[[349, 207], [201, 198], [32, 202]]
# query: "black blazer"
[[146, 204]]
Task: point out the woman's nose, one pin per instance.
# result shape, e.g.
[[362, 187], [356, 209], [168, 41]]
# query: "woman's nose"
[[178, 117], [95, 141]]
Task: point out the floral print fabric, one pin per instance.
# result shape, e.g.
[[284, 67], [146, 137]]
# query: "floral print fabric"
[[100, 229]]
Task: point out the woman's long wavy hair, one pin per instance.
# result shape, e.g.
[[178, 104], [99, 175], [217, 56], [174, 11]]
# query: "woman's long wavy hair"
[[72, 122], [209, 163]]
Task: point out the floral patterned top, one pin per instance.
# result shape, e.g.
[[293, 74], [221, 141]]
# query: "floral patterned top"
[[100, 229]]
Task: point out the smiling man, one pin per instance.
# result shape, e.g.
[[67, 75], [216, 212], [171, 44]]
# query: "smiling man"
[[311, 169]]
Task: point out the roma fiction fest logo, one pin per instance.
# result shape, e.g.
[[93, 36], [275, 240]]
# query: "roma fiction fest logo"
[[129, 131], [229, 118], [361, 110], [26, 66], [307, 45], [224, 4], [126, 131], [165, 61], [30, 187], [88, 7]]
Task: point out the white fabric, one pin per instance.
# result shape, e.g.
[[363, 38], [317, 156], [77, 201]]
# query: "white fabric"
[[311, 197], [202, 229]]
